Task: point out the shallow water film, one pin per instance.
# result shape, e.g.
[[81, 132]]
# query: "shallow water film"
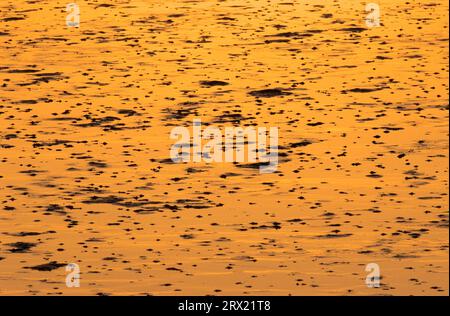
[[92, 201]]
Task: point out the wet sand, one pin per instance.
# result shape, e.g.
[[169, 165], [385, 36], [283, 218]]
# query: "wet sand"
[[86, 176]]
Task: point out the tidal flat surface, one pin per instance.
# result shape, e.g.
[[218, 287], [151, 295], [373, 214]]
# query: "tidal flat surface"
[[85, 169]]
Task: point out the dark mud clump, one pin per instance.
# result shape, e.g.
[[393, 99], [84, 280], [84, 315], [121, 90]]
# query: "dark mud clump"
[[21, 247], [53, 265], [213, 83], [269, 93]]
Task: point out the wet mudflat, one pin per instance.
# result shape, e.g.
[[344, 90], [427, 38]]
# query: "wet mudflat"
[[85, 169]]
